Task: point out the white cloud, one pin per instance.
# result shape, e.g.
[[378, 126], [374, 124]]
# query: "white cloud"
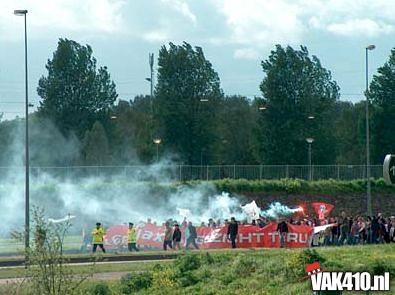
[[156, 36], [247, 53], [258, 24], [262, 22], [366, 27], [182, 7], [88, 16], [250, 26]]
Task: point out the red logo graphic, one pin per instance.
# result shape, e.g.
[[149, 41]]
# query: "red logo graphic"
[[313, 268]]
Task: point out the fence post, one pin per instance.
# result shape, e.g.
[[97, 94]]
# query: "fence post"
[[286, 171], [312, 172], [180, 174], [234, 171], [260, 172], [207, 173], [338, 172]]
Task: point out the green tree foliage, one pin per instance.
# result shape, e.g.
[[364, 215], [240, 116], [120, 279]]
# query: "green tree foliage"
[[349, 133], [296, 87], [133, 132], [75, 93], [382, 96], [95, 150], [236, 126], [187, 97]]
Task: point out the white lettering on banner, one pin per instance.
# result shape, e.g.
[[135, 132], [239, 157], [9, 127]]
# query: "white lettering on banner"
[[274, 236], [242, 238], [147, 235], [158, 237], [258, 236], [292, 237], [117, 240], [301, 240], [213, 238], [200, 240]]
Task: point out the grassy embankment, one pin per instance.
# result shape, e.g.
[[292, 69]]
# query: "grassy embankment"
[[264, 271]]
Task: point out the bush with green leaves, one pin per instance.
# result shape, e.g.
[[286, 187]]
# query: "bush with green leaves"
[[46, 266], [135, 282], [101, 288], [244, 265], [187, 262], [297, 262], [379, 267]]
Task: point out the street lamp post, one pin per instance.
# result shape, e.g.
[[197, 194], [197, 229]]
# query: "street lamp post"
[[27, 199], [310, 141], [368, 186], [157, 141]]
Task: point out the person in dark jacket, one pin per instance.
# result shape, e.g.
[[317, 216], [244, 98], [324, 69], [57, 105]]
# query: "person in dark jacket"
[[282, 229], [176, 237], [233, 231], [190, 236], [375, 227]]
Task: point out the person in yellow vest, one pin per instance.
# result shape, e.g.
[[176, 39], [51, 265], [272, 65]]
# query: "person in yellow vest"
[[132, 238], [98, 237]]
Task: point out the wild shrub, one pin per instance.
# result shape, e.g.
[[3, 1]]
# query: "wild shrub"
[[101, 289], [244, 265], [135, 282], [297, 262], [187, 263]]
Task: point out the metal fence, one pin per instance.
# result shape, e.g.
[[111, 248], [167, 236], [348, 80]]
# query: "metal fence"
[[171, 173]]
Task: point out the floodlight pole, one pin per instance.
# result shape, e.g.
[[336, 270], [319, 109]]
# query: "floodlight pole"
[[27, 197]]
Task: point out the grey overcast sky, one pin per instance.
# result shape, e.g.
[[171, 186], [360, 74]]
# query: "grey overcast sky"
[[235, 35]]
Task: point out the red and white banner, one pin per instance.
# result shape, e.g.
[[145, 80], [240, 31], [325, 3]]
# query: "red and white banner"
[[249, 236], [322, 209]]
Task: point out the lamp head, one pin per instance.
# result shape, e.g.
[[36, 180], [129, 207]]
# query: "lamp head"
[[310, 140], [20, 12], [370, 47]]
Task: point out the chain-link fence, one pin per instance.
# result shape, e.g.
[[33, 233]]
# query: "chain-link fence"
[[197, 172]]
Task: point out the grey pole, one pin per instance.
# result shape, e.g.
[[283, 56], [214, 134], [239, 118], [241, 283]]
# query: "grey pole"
[[27, 158], [151, 63], [310, 161], [27, 198], [310, 141], [368, 186]]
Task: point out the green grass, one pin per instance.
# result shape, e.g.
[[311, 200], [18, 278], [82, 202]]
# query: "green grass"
[[11, 246], [254, 271], [18, 272], [263, 271]]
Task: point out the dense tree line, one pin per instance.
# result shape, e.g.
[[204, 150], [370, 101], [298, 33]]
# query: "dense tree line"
[[81, 122]]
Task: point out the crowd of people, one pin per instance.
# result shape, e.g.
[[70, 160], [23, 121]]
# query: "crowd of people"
[[335, 231], [356, 230]]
